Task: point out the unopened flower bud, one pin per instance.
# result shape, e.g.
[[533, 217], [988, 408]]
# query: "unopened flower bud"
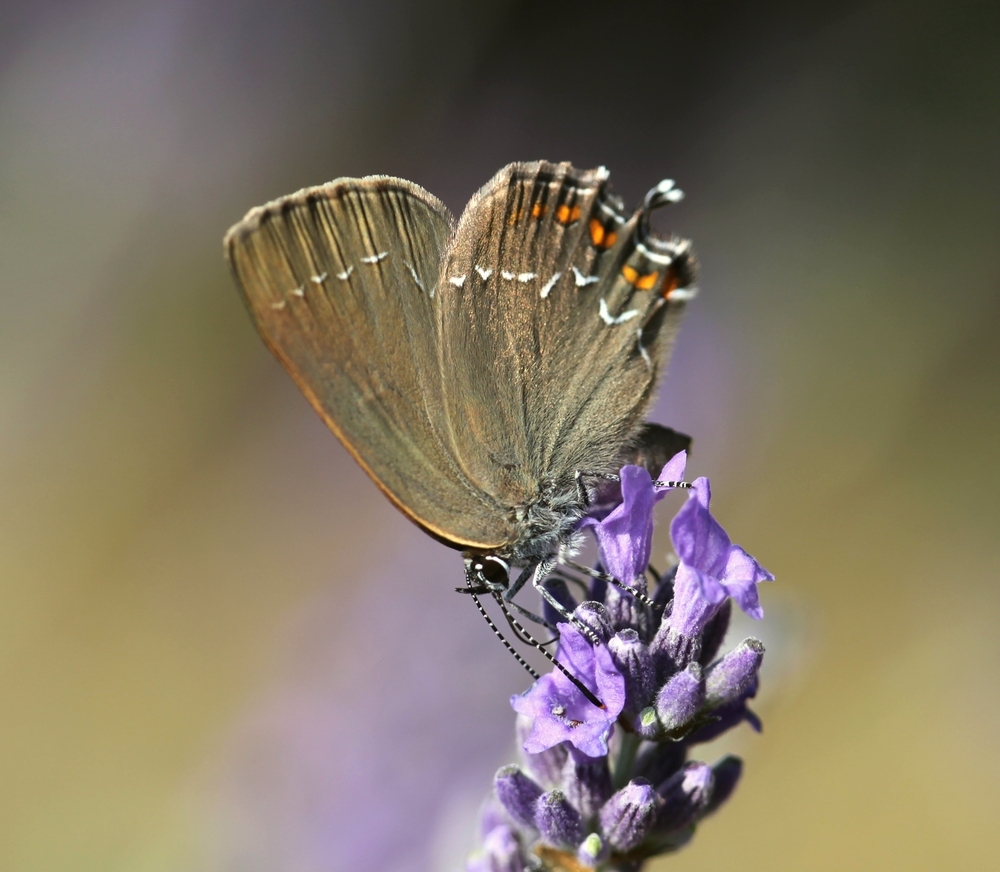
[[647, 724], [491, 816], [517, 794], [592, 851], [661, 760], [672, 650], [685, 796], [501, 852], [629, 815], [728, 679], [680, 698], [624, 610], [726, 774], [558, 823], [634, 661], [586, 782], [594, 616]]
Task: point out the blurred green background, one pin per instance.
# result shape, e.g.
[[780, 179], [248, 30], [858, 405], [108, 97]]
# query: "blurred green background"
[[222, 649]]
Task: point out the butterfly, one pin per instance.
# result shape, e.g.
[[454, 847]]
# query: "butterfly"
[[480, 370]]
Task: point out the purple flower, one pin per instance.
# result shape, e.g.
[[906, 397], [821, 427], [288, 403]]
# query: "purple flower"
[[517, 794], [628, 816], [726, 774], [561, 712], [658, 672], [679, 700], [685, 796], [711, 568], [558, 822], [625, 536], [730, 678]]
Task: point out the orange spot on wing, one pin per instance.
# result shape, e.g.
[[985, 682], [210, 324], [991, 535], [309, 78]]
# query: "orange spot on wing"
[[567, 214], [641, 282], [647, 282], [601, 237], [670, 283], [538, 210]]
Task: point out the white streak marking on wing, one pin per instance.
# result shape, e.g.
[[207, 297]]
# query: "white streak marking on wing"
[[664, 259], [457, 281], [582, 280], [343, 276], [484, 274], [279, 305], [550, 284], [607, 210], [375, 258], [507, 275], [413, 273], [682, 295], [318, 280], [610, 320], [298, 292], [642, 350], [524, 278]]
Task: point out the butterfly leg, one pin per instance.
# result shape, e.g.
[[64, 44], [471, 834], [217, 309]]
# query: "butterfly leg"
[[582, 488], [610, 579], [513, 589], [541, 572]]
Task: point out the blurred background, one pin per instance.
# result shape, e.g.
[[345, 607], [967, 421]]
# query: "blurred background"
[[222, 650]]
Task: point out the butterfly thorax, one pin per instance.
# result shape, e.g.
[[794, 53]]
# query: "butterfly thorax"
[[544, 524]]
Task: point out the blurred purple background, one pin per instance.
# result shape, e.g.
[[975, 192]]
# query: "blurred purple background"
[[221, 649]]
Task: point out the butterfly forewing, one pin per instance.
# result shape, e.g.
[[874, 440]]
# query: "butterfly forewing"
[[340, 281]]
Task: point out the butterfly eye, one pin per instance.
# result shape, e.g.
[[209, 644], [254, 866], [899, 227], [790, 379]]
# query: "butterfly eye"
[[493, 570]]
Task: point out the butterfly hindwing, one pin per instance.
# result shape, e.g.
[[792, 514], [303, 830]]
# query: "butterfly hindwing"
[[554, 326]]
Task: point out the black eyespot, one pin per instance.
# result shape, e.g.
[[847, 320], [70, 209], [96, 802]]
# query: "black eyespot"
[[493, 570]]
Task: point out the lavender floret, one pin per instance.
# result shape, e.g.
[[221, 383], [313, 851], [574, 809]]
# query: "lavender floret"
[[634, 661], [726, 774], [729, 679], [664, 689], [501, 852], [629, 815], [559, 823], [680, 699], [517, 794], [587, 783]]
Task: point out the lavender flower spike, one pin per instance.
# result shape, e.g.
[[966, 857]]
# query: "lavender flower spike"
[[625, 537], [561, 712], [664, 680], [711, 568]]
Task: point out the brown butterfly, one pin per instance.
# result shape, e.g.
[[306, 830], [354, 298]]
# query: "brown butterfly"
[[475, 369]]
